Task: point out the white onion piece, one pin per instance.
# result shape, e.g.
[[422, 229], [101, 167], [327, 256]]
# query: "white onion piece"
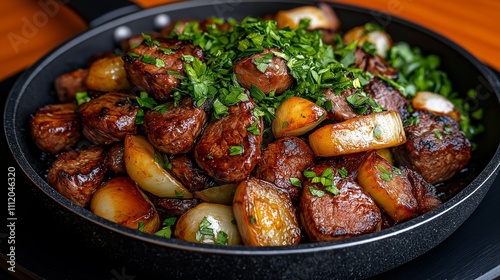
[[296, 116], [370, 132], [220, 194], [321, 18], [379, 38], [219, 219], [435, 103], [143, 168], [120, 200]]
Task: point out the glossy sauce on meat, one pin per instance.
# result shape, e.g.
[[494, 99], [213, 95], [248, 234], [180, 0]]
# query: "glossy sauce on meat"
[[55, 128], [155, 80], [191, 176], [276, 76], [77, 173], [109, 117], [213, 150], [436, 147], [175, 130], [68, 84], [351, 212], [374, 64], [388, 98], [283, 159]]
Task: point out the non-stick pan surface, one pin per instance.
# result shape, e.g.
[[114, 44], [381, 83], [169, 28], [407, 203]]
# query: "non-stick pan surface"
[[353, 258]]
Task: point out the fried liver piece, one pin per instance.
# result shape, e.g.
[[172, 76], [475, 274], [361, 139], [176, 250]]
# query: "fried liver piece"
[[77, 173], [68, 84], [275, 77], [145, 71], [282, 160], [109, 117], [55, 128], [326, 217], [227, 150], [175, 130], [436, 147]]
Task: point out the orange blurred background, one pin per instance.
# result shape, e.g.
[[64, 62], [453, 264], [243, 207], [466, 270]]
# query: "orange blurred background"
[[31, 28]]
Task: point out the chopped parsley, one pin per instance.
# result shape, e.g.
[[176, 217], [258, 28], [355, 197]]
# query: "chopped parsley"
[[385, 175], [81, 98], [295, 182], [236, 150], [419, 72], [313, 64], [166, 230]]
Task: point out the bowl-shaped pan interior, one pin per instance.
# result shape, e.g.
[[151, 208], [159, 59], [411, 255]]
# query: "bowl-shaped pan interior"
[[35, 88]]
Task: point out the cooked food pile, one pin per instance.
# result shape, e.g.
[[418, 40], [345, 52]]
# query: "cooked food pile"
[[267, 131]]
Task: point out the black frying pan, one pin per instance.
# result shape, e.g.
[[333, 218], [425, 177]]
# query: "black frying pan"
[[358, 257]]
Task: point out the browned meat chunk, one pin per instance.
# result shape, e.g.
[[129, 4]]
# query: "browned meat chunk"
[[109, 117], [282, 160], [149, 68], [273, 76], [350, 163], [424, 193], [175, 130], [374, 64], [76, 174], [116, 163], [341, 110], [55, 128], [325, 217], [191, 176], [67, 85], [388, 97], [227, 151], [436, 147], [172, 207]]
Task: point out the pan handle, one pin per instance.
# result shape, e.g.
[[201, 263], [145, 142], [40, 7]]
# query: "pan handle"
[[97, 12]]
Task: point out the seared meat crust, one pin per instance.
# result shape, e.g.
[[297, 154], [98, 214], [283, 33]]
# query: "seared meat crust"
[[109, 117], [176, 130], [155, 80], [436, 147], [76, 174], [283, 159], [213, 150], [55, 128]]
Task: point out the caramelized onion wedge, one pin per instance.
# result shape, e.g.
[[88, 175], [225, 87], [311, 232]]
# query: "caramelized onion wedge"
[[120, 200], [265, 215], [435, 103], [220, 194], [379, 38], [209, 223], [370, 132], [296, 116], [321, 18], [388, 186], [143, 168], [107, 74]]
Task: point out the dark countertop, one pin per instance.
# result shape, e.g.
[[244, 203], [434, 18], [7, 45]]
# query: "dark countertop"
[[471, 252]]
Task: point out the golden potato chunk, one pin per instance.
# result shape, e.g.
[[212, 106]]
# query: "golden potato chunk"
[[390, 189], [296, 116], [364, 133], [120, 200], [265, 215], [107, 74]]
